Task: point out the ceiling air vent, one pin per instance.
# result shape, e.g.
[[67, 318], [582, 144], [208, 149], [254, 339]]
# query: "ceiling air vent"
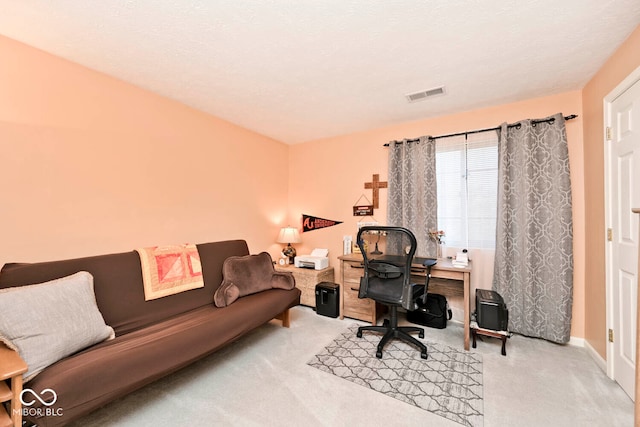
[[418, 96]]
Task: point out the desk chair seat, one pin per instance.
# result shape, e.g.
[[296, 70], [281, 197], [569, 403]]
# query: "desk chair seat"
[[387, 280]]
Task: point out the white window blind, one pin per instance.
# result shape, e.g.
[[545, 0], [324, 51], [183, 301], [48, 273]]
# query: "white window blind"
[[467, 180]]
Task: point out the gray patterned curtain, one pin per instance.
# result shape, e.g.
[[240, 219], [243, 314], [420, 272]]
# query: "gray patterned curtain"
[[534, 235], [412, 190]]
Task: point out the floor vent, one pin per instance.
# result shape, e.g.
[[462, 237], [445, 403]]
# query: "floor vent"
[[419, 96]]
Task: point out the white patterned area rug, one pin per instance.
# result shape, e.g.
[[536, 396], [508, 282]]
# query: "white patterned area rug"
[[448, 383]]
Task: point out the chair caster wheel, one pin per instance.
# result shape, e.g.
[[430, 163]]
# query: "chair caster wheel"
[[421, 334], [423, 355], [379, 354], [359, 334]]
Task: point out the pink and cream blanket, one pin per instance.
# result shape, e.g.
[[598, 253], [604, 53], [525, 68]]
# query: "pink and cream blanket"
[[168, 270]]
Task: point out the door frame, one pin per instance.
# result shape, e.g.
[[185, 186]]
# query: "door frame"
[[625, 84]]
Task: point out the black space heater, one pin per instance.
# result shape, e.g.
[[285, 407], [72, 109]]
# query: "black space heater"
[[491, 311]]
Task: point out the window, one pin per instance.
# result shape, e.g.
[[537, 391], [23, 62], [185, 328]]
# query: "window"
[[467, 180]]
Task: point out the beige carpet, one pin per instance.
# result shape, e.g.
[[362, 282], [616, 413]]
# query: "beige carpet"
[[264, 380]]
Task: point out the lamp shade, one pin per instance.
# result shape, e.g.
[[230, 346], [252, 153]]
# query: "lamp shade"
[[289, 235]]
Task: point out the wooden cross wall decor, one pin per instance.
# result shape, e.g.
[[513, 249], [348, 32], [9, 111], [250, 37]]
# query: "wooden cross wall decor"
[[375, 185]]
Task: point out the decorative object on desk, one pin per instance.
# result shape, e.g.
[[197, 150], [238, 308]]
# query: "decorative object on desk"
[[438, 237], [377, 250], [310, 223], [442, 251], [289, 235], [375, 185], [362, 209], [356, 249], [448, 384], [372, 238], [346, 245]]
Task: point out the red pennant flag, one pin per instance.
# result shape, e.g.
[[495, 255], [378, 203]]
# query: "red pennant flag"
[[310, 223]]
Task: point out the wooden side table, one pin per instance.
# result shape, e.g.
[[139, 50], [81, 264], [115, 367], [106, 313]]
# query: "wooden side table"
[[502, 335], [306, 281], [11, 369]]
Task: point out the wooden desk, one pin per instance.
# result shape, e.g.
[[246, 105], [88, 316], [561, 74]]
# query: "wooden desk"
[[352, 269]]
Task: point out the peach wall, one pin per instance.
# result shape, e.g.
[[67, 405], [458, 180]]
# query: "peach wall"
[[82, 154], [93, 165], [327, 178], [625, 60]]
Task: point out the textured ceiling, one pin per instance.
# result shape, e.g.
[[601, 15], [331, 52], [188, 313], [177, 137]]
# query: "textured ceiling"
[[299, 70]]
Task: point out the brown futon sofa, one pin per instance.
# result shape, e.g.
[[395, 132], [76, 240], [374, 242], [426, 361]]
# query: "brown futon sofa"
[[152, 338]]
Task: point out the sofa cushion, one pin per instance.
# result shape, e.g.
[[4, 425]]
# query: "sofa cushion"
[[118, 283], [250, 274], [99, 374], [48, 321]]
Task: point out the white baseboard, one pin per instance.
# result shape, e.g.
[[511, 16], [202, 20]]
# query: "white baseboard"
[[581, 342], [578, 342], [602, 364]]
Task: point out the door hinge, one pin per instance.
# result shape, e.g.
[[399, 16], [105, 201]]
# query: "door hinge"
[[610, 234], [610, 335], [608, 133]]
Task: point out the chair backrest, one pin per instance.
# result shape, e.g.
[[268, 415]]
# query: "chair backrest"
[[387, 253]]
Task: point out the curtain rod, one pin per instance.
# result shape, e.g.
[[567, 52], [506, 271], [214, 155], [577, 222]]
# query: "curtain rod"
[[517, 125]]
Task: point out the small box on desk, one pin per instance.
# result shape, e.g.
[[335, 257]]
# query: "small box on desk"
[[491, 311], [328, 299]]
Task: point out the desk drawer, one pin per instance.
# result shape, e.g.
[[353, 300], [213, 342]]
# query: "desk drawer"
[[352, 272], [357, 308], [354, 307]]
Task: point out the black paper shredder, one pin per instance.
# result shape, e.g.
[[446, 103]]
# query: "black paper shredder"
[[328, 299]]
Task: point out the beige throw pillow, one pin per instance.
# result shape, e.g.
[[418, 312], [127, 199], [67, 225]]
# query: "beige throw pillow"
[[49, 321]]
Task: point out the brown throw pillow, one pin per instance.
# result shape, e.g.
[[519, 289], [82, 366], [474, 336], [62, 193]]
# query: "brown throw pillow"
[[246, 275]]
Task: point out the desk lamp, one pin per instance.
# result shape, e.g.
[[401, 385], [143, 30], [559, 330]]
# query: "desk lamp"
[[289, 235]]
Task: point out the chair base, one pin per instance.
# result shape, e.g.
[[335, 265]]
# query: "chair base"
[[391, 330]]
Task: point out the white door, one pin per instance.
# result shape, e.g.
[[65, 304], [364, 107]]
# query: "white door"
[[624, 194]]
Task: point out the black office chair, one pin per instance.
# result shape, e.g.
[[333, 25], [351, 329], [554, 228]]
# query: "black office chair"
[[387, 280]]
